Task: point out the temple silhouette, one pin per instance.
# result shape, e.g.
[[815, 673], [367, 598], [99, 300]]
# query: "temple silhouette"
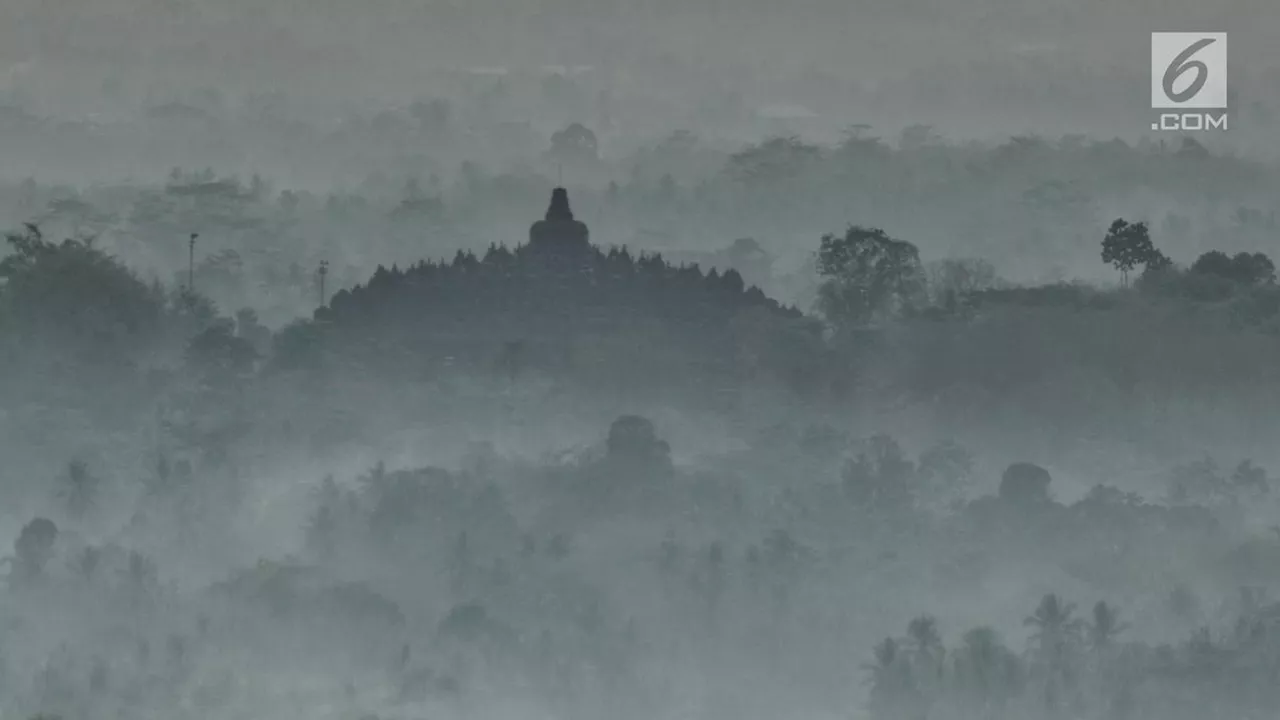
[[558, 233], [556, 303]]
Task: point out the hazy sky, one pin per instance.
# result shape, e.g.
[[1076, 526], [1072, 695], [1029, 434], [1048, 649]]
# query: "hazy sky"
[[389, 42], [971, 68]]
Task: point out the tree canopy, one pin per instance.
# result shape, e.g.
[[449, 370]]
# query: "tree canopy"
[[1128, 245], [867, 275]]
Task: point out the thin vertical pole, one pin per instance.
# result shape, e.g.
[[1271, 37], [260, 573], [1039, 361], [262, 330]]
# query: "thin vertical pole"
[[324, 270], [191, 263]]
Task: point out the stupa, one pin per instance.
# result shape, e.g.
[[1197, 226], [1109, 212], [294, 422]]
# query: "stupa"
[[558, 233]]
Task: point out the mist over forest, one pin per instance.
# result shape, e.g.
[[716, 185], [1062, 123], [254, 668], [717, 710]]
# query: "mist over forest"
[[565, 360]]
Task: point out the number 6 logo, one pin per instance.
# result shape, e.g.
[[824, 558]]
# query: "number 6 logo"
[[1180, 65], [1174, 56]]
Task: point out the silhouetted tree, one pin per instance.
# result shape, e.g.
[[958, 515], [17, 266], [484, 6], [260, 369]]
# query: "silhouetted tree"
[[250, 329], [1106, 626], [633, 443], [1199, 482], [575, 144], [772, 163], [927, 659], [1243, 268], [80, 489], [1055, 637], [867, 275], [954, 280], [220, 355], [33, 549], [943, 469], [1025, 484], [1126, 246], [881, 477], [894, 695], [76, 300], [1250, 478], [987, 674]]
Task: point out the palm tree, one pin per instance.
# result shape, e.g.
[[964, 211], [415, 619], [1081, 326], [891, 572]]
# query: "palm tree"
[[923, 632], [986, 673], [87, 562], [1110, 676], [886, 656], [893, 688], [1106, 626], [81, 489], [1056, 635], [1053, 623], [927, 649]]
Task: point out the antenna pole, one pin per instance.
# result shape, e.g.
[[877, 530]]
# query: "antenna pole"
[[324, 270], [191, 262]]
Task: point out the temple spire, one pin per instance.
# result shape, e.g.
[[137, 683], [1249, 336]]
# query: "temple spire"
[[559, 207]]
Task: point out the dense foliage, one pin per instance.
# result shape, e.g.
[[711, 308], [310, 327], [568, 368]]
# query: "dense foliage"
[[593, 482]]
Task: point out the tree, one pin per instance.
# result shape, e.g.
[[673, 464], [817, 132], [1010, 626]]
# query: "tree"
[[943, 468], [219, 355], [248, 327], [323, 527], [1128, 245], [917, 137], [1053, 623], [881, 477], [81, 489], [1250, 478], [927, 656], [925, 640], [1055, 636], [76, 298], [1201, 482], [747, 257], [986, 673], [783, 558], [953, 280], [1214, 262], [34, 548], [80, 217], [417, 206], [1106, 626], [775, 161], [1025, 484], [893, 689], [1253, 269], [298, 345], [1243, 268], [575, 144], [867, 275], [633, 444]]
